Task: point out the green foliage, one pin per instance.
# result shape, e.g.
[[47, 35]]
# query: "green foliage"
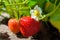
[[19, 8], [56, 15], [55, 19], [16, 8], [31, 3], [41, 3], [49, 7], [53, 1]]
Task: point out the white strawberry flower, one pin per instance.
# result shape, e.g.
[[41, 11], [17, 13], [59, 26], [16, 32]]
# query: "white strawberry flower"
[[36, 12]]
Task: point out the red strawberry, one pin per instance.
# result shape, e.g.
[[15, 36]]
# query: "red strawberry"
[[29, 26], [13, 25]]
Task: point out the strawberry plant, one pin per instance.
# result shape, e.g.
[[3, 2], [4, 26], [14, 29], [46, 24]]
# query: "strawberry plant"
[[26, 15]]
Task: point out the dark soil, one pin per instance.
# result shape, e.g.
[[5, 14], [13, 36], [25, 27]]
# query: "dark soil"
[[5, 21], [48, 32]]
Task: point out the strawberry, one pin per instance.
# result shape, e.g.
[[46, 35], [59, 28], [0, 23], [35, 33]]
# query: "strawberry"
[[13, 25], [28, 26]]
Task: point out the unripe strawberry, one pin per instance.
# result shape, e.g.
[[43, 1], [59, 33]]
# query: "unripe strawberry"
[[13, 25]]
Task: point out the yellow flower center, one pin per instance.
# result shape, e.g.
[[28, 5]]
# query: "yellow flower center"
[[36, 13]]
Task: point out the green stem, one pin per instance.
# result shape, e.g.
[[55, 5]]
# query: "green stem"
[[51, 13], [18, 3], [25, 1], [55, 4], [16, 10], [47, 1], [10, 9]]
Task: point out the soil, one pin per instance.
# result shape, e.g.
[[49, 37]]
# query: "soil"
[[4, 29]]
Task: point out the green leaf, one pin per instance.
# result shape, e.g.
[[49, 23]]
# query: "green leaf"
[[6, 2], [8, 9], [25, 11], [56, 15], [53, 1], [55, 19], [41, 3], [0, 0], [16, 15], [17, 1], [31, 3], [49, 7]]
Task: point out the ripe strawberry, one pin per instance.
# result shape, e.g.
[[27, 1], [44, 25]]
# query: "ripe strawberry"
[[13, 25], [29, 26]]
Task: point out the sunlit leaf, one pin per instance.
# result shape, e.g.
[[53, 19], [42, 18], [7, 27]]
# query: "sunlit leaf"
[[55, 19], [31, 3], [49, 7], [41, 3]]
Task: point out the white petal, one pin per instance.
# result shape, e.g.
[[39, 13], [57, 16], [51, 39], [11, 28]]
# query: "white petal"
[[38, 8], [34, 17], [31, 11]]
